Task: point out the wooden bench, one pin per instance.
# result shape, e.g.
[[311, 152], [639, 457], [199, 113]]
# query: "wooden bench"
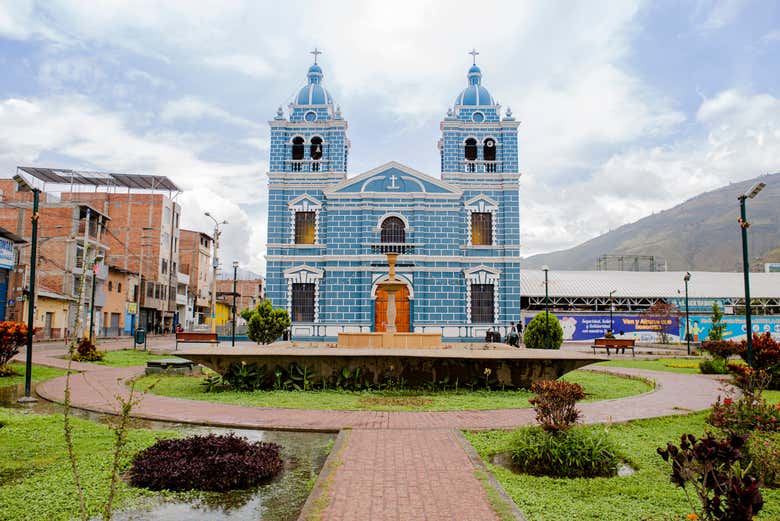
[[196, 338], [614, 343]]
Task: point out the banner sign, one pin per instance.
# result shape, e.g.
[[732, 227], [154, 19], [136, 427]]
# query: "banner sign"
[[6, 254], [697, 305], [642, 328], [735, 327]]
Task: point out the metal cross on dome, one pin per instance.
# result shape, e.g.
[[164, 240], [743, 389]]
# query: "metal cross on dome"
[[316, 52], [474, 54]]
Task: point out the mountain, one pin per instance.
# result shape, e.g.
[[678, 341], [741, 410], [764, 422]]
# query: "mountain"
[[700, 234]]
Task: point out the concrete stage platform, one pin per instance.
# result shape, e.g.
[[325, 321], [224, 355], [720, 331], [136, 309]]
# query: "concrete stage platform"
[[507, 367]]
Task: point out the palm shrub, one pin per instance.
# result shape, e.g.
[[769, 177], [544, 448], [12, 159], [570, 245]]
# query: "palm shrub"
[[267, 323], [12, 336], [212, 462], [534, 336]]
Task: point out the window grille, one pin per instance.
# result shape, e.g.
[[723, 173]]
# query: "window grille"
[[302, 302], [482, 303], [393, 230], [304, 227], [481, 228]]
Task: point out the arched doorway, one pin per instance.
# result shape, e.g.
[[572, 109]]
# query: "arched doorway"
[[402, 310]]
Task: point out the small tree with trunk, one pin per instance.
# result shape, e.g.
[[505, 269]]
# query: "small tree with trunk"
[[660, 314], [267, 323], [716, 331]]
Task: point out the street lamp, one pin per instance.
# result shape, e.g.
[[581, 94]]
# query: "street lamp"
[[546, 269], [98, 259], [744, 225], [24, 186], [687, 279], [215, 265], [235, 276], [611, 308]]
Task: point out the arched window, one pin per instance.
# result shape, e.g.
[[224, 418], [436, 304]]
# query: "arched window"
[[393, 230], [297, 148], [315, 151], [471, 149], [489, 150]]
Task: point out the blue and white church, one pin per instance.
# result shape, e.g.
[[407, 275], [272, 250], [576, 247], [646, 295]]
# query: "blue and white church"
[[458, 234]]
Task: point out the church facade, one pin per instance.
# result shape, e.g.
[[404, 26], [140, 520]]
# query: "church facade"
[[458, 234]]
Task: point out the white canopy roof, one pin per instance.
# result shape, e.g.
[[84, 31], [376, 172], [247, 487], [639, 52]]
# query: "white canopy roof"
[[637, 284]]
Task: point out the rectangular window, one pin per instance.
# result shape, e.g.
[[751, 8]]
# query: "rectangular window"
[[164, 265], [482, 303], [303, 302], [481, 228], [304, 227]]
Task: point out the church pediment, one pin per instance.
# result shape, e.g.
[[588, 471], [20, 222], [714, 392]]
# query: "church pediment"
[[394, 178]]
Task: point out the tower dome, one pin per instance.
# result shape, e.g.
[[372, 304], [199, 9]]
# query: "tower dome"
[[475, 94], [313, 93]]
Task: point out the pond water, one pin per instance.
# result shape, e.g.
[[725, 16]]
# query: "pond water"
[[281, 499]]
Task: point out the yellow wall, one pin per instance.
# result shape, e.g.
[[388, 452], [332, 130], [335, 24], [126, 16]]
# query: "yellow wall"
[[223, 313], [51, 305]]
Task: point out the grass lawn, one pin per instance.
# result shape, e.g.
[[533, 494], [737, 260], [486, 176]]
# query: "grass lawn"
[[35, 477], [39, 373], [598, 387], [129, 357], [645, 495], [672, 365]]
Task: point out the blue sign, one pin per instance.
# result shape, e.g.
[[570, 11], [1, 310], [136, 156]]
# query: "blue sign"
[[735, 327], [641, 328], [6, 254]]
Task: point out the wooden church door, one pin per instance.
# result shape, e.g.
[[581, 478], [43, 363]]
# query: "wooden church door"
[[402, 310]]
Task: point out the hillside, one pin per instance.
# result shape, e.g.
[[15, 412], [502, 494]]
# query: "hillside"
[[699, 234]]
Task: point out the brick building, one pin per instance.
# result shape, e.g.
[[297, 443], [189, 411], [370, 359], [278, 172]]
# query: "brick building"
[[195, 254], [70, 235], [248, 292]]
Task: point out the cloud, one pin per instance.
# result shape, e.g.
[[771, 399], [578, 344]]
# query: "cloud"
[[83, 135], [740, 139], [252, 66], [191, 108]]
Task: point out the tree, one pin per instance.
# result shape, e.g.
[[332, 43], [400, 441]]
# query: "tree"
[[534, 337], [266, 324], [660, 315], [12, 336], [716, 331]]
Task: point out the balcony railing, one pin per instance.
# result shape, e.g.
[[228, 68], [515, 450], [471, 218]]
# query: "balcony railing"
[[392, 247], [481, 166]]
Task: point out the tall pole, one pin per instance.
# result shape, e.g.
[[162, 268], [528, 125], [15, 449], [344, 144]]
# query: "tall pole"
[[235, 276], [546, 312], [31, 299], [92, 305], [215, 265], [611, 308], [746, 270], [687, 315]]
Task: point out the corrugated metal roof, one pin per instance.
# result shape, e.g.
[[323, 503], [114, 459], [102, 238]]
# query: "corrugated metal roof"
[[665, 284], [64, 176]]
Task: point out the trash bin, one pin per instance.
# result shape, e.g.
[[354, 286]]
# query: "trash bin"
[[140, 336]]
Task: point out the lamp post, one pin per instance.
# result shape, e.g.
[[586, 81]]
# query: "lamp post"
[[744, 225], [24, 186], [611, 308], [98, 259], [546, 269], [687, 279], [235, 276], [214, 265]]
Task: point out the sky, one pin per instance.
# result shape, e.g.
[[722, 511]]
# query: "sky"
[[627, 108]]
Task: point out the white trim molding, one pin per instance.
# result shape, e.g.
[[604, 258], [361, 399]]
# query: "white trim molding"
[[305, 203], [482, 204], [407, 279], [482, 275], [304, 275]]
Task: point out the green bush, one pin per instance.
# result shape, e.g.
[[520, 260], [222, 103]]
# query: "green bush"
[[266, 324], [763, 453], [573, 453], [535, 332], [713, 366], [87, 352]]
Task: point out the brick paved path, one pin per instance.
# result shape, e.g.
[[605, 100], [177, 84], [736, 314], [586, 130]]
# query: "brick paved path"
[[395, 465]]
